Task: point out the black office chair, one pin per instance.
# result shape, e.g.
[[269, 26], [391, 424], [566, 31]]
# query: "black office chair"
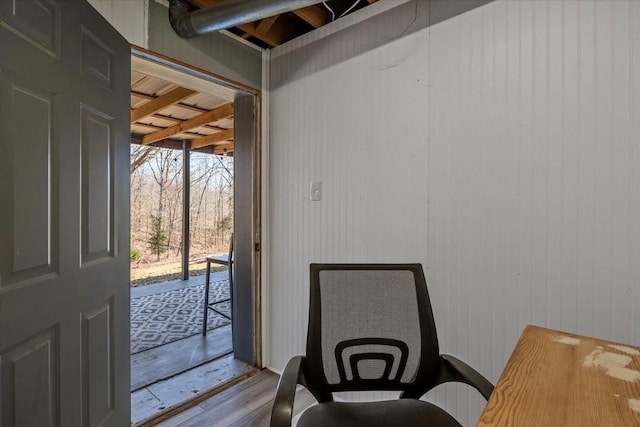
[[371, 327]]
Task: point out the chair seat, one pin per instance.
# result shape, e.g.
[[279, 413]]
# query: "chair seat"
[[401, 412]]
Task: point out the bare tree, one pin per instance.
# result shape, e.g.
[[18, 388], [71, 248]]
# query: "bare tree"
[[156, 204], [166, 170], [141, 154]]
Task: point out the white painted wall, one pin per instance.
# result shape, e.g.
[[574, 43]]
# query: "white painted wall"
[[129, 17], [499, 146]]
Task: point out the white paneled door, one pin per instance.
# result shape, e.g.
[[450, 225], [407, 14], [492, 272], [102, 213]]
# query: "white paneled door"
[[64, 178]]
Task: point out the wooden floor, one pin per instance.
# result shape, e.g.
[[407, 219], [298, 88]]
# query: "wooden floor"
[[245, 404]]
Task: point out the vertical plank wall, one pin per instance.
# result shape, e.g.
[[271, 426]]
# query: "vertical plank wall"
[[334, 118], [128, 17], [498, 144]]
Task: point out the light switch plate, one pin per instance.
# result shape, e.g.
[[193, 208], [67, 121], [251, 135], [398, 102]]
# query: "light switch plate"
[[316, 191]]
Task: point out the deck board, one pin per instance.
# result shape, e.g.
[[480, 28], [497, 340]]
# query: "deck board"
[[180, 390], [165, 361]]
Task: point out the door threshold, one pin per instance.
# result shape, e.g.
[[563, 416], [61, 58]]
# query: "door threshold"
[[158, 401]]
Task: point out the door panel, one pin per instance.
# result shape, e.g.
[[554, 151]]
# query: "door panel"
[[35, 251], [29, 373], [96, 192], [97, 59], [98, 363], [37, 22], [64, 235]]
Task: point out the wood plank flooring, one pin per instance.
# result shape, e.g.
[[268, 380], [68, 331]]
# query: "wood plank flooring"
[[245, 404]]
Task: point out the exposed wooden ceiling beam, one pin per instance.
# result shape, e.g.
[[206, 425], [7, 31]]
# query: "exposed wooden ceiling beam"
[[141, 79], [173, 120], [315, 15], [163, 101], [224, 135], [223, 148], [214, 115], [142, 95], [265, 25], [148, 125], [179, 104], [271, 38], [154, 127], [274, 33], [165, 117]]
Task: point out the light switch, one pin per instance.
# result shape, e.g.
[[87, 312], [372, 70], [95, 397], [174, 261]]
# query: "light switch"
[[316, 191]]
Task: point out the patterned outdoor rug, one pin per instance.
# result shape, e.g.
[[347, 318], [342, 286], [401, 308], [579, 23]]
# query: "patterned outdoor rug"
[[170, 316]]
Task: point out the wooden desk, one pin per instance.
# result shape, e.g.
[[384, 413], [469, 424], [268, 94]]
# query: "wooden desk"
[[558, 379]]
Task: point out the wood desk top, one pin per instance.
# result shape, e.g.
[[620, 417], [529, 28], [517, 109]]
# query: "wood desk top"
[[218, 259], [559, 379]]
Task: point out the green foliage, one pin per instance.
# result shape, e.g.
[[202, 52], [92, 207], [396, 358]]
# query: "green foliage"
[[157, 239], [136, 255]]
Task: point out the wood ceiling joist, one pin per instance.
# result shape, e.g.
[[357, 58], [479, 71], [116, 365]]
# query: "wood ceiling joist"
[[163, 117], [149, 126], [174, 120], [223, 149], [163, 101], [140, 80], [265, 25], [179, 104], [154, 127], [271, 32], [315, 15], [166, 118], [214, 115], [215, 138], [142, 95], [272, 38], [284, 29]]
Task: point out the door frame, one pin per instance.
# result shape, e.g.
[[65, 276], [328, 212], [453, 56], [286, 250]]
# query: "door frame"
[[158, 65]]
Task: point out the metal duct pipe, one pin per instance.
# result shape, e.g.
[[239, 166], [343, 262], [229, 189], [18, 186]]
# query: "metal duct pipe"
[[227, 14]]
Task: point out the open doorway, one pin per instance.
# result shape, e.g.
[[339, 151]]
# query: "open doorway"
[[193, 186]]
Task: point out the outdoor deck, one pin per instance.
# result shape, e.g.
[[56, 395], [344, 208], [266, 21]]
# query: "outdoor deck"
[[171, 361]]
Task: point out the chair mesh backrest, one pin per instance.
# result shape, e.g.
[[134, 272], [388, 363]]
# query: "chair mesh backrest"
[[370, 323]]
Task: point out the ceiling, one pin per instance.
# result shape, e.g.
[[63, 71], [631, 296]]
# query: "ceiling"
[[274, 31], [164, 114]]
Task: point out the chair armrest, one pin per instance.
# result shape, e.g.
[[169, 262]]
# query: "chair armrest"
[[457, 370], [292, 375]]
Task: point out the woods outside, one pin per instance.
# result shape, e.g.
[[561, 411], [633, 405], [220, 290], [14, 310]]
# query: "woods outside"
[[156, 211]]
